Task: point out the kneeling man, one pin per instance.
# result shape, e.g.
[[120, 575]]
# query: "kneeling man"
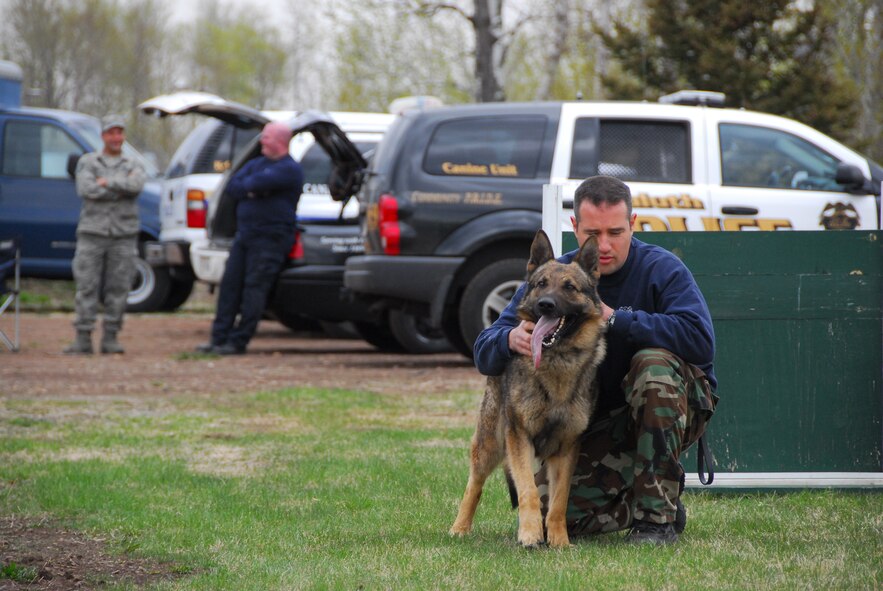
[[657, 382]]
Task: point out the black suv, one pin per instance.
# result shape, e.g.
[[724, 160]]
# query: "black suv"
[[449, 208]]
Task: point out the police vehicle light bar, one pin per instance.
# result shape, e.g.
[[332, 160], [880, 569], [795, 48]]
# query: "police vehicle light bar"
[[694, 97]]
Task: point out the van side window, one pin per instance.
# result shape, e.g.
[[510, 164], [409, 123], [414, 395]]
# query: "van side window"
[[231, 146], [185, 159], [35, 149], [500, 147], [642, 151], [754, 156], [224, 145]]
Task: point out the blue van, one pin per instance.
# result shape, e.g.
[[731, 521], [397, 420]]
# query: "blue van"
[[38, 199]]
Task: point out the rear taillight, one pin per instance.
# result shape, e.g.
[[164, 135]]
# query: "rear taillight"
[[390, 231], [196, 208], [297, 249]]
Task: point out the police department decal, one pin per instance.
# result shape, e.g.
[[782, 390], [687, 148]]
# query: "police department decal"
[[839, 216]]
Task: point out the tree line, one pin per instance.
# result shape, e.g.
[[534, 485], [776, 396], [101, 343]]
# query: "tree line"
[[820, 62]]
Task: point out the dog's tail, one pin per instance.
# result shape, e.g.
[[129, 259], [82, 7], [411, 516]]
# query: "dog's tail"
[[513, 494]]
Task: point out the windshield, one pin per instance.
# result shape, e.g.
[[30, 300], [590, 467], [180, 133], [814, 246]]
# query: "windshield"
[[92, 134]]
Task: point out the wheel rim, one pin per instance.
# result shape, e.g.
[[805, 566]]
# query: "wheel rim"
[[497, 300], [143, 283]]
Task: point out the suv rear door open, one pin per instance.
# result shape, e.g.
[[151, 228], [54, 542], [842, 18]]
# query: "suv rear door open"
[[203, 103]]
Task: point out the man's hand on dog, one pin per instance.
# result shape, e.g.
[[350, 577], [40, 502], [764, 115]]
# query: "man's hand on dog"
[[519, 337], [606, 312]]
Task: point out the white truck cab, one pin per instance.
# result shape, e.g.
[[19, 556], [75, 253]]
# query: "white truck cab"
[[210, 150], [703, 168]]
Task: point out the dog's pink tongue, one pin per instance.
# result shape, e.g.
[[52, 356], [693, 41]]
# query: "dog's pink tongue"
[[545, 325]]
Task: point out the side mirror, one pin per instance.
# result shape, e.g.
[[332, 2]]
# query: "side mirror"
[[851, 177], [72, 160]]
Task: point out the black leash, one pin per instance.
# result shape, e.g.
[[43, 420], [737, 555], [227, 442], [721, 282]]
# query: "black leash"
[[704, 461]]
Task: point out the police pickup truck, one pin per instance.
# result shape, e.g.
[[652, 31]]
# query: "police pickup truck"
[[454, 194]]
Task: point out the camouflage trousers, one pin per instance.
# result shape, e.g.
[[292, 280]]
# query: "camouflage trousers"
[[628, 465], [103, 270]]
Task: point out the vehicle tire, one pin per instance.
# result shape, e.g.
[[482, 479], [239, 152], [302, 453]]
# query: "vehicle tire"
[[379, 336], [415, 335], [150, 287], [486, 295], [178, 294]]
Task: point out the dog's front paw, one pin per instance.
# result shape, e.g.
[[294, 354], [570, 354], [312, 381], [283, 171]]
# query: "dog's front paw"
[[531, 543], [558, 537], [530, 534], [459, 530]]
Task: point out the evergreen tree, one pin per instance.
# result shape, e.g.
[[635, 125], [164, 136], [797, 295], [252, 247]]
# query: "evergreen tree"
[[770, 56]]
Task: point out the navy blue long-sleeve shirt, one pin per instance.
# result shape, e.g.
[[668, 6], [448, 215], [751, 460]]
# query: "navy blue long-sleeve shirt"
[[657, 304], [266, 193]]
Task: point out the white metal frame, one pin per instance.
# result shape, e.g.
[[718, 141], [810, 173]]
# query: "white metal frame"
[[751, 480]]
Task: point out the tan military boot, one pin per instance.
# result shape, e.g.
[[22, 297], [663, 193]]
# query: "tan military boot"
[[109, 343], [81, 346]]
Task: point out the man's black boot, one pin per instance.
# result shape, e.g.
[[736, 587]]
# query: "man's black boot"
[[647, 532], [206, 347], [680, 522], [229, 349]]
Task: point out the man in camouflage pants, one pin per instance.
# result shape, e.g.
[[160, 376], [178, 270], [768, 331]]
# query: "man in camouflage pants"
[[109, 183], [628, 469], [656, 384]]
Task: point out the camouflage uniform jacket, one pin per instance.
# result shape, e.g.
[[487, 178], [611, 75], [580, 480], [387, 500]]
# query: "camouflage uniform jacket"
[[112, 210]]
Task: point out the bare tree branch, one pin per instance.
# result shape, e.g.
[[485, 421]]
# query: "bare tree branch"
[[430, 9]]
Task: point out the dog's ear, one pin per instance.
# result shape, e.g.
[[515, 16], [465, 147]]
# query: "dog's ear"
[[540, 252], [587, 257]]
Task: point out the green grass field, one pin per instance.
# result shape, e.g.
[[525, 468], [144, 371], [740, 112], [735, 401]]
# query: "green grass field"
[[316, 489]]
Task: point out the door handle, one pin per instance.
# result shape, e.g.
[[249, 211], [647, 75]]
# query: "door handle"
[[739, 210]]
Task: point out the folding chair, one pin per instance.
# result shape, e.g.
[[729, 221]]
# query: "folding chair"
[[10, 265]]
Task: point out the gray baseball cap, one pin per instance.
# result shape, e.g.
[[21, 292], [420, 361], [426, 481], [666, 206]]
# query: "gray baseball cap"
[[112, 121]]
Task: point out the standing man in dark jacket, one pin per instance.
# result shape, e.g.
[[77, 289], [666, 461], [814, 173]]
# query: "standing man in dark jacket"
[[107, 238], [656, 383], [266, 191]]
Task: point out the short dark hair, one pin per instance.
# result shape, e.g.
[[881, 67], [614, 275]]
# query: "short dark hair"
[[602, 189]]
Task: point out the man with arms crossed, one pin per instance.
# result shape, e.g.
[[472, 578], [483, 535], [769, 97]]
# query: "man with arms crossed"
[[656, 385], [107, 238], [266, 191]]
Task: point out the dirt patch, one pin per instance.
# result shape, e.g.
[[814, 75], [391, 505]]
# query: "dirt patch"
[[50, 558], [160, 362]]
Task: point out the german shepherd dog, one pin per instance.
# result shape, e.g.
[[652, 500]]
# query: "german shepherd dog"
[[539, 406]]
